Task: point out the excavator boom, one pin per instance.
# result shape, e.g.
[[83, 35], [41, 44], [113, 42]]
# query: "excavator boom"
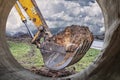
[[33, 13], [60, 50], [32, 10]]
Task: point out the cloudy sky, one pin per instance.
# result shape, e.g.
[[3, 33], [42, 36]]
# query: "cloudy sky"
[[62, 13]]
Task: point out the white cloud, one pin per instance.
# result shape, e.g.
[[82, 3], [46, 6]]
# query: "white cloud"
[[61, 13], [102, 29]]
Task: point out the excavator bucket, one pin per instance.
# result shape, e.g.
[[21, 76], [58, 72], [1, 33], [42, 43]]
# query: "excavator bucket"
[[67, 47], [61, 50]]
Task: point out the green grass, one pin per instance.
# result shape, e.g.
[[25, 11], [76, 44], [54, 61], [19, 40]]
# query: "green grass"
[[28, 55], [86, 60], [18, 49]]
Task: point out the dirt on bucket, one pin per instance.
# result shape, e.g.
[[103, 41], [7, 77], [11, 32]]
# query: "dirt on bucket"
[[70, 38]]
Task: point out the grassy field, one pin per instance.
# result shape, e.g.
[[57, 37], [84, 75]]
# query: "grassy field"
[[29, 56]]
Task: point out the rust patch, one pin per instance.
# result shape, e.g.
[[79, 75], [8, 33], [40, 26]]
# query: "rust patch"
[[71, 38], [71, 43]]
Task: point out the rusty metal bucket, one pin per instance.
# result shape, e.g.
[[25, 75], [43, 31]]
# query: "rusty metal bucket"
[[67, 47]]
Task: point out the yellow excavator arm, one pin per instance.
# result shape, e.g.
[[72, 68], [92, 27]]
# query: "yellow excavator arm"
[[35, 15], [30, 9], [19, 12]]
